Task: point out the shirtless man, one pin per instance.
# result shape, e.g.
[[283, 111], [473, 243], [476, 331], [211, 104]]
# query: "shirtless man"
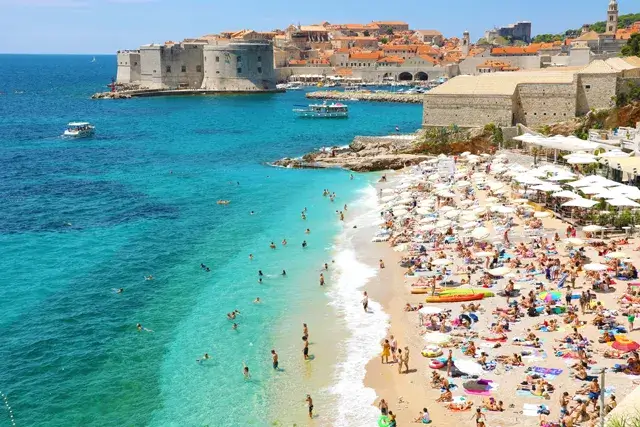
[[245, 371], [365, 302], [274, 356], [321, 279], [305, 349], [310, 404], [305, 331]]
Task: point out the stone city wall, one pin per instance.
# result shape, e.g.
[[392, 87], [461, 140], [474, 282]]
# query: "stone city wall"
[[151, 70], [182, 66], [128, 67], [239, 66], [595, 91], [543, 103], [467, 110]]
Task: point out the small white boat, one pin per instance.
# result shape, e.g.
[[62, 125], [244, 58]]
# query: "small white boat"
[[94, 59], [79, 130], [333, 111]]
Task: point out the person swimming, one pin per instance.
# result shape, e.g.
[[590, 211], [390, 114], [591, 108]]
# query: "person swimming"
[[142, 328], [284, 273], [260, 280], [251, 213], [245, 371], [257, 300], [284, 242], [304, 244], [119, 291], [235, 327], [272, 245], [326, 266], [307, 231], [204, 357], [260, 273], [149, 277], [251, 257]]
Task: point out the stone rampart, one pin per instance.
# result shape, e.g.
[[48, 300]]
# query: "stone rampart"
[[239, 66], [367, 96], [544, 103], [467, 110]]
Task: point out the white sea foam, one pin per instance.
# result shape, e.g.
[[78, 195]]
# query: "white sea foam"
[[354, 400]]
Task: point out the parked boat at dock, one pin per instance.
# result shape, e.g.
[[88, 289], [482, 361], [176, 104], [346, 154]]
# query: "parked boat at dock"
[[333, 111]]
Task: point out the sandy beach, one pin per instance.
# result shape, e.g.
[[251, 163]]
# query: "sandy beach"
[[408, 393]]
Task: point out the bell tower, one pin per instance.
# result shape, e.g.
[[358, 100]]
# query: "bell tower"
[[465, 44], [612, 17]]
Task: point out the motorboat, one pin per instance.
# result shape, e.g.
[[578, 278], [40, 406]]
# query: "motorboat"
[[79, 130], [335, 110]]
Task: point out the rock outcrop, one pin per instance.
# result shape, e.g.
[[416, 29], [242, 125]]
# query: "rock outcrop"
[[111, 95], [364, 154]]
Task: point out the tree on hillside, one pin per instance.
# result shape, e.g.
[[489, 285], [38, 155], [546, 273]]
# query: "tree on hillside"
[[384, 40], [390, 31], [546, 38], [623, 22], [366, 33], [501, 41], [632, 48]]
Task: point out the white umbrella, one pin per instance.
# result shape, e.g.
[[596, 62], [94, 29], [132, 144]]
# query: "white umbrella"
[[442, 261], [613, 154], [437, 338], [480, 210], [616, 255], [593, 189], [434, 177], [500, 271], [491, 199], [468, 366], [386, 199], [427, 227], [443, 223], [484, 254], [520, 201], [595, 267], [446, 194], [623, 201], [400, 248], [468, 225], [400, 212], [496, 185], [388, 191], [446, 209], [575, 242], [543, 214], [468, 216], [592, 228], [566, 194], [427, 220], [506, 209], [452, 214], [423, 211], [579, 202], [480, 233], [406, 201], [463, 184], [581, 160], [430, 309], [547, 187]]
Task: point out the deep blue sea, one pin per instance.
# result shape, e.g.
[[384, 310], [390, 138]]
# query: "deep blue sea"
[[80, 218]]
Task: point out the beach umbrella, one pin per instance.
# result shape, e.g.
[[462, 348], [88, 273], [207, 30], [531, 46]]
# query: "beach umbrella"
[[592, 228], [624, 344], [442, 186], [388, 191], [550, 296], [484, 254], [452, 214], [446, 194], [446, 209], [595, 267], [468, 366], [480, 210], [506, 209], [623, 201], [520, 201], [495, 185], [468, 216], [574, 241], [480, 233], [566, 194], [469, 225], [433, 177], [463, 184], [400, 248], [406, 201], [442, 261], [491, 199], [616, 255], [427, 227], [500, 271], [430, 309], [437, 338], [443, 223], [543, 214], [593, 189], [386, 199], [427, 219], [547, 187], [423, 211], [580, 160], [579, 202], [400, 212]]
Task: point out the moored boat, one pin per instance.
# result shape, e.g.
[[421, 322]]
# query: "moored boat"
[[333, 111], [79, 130], [455, 298]]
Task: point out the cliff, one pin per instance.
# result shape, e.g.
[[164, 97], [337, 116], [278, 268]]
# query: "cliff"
[[364, 154]]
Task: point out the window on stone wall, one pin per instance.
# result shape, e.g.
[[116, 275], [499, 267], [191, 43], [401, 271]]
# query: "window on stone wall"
[[168, 68], [184, 68], [260, 70], [217, 59], [239, 70], [198, 68], [587, 87], [135, 63], [259, 58], [239, 58]]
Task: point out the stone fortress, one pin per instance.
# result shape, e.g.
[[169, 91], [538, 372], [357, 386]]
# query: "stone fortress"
[[243, 64], [540, 96]]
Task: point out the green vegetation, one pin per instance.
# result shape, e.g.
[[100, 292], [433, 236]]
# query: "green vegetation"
[[547, 38], [632, 94], [384, 40], [438, 140], [623, 22], [632, 48], [390, 31], [366, 33], [495, 132]]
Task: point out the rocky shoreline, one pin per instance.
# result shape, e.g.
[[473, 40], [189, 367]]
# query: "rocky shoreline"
[[406, 98], [364, 154]]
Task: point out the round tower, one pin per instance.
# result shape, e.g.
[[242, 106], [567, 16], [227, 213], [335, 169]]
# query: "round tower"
[[612, 17]]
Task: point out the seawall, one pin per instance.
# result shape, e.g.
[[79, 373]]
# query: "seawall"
[[410, 98], [142, 93]]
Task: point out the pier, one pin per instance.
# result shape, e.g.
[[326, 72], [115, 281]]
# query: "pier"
[[145, 93], [407, 98]]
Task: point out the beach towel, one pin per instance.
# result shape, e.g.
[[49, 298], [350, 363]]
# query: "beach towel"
[[562, 280], [531, 410], [526, 393], [545, 371]]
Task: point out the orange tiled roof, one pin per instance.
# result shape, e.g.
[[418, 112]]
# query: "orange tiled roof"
[[344, 71], [425, 49], [391, 60], [390, 22], [342, 50], [297, 62], [625, 34], [476, 51], [514, 50], [410, 47], [366, 55], [429, 59]]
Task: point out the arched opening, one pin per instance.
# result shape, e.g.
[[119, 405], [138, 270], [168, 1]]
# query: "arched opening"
[[405, 76], [422, 76]]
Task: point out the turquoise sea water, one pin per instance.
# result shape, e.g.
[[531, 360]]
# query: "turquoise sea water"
[[80, 218]]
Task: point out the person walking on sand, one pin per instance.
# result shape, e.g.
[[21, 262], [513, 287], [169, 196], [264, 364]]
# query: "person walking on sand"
[[305, 331], [274, 357], [386, 352], [310, 405], [394, 348], [449, 362], [398, 360], [631, 318], [481, 419], [365, 302], [381, 264], [404, 361], [384, 407]]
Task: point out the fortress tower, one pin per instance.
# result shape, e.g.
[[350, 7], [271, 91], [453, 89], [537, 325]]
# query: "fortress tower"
[[612, 17]]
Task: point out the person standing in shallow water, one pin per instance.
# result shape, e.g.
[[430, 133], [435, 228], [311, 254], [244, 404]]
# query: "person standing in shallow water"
[[305, 349], [321, 279], [365, 302], [274, 357], [310, 405]]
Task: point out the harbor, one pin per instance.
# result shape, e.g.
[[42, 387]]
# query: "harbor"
[[407, 98]]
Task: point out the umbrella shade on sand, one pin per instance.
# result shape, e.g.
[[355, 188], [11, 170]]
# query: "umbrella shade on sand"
[[595, 267], [443, 223], [579, 202], [468, 366]]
